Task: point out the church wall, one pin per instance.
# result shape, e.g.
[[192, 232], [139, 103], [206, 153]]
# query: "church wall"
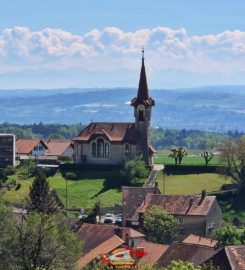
[[83, 154]]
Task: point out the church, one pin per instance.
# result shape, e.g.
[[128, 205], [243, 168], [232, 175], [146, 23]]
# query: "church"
[[111, 143]]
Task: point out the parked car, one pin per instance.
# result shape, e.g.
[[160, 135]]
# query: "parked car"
[[118, 220], [108, 218]]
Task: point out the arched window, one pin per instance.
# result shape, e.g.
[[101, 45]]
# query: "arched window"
[[100, 148], [106, 149], [127, 151], [93, 149], [141, 115]]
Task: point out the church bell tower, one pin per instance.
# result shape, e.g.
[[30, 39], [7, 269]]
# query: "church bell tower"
[[142, 112]]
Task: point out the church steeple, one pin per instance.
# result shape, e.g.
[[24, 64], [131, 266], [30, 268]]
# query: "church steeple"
[[143, 94]]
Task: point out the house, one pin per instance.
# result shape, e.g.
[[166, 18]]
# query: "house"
[[59, 148], [198, 215], [7, 150], [113, 143], [198, 240], [194, 253], [229, 258], [95, 234], [153, 252], [105, 247], [102, 239], [26, 148], [132, 197]]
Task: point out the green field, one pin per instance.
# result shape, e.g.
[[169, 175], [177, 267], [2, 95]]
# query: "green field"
[[190, 183], [162, 158], [90, 187]]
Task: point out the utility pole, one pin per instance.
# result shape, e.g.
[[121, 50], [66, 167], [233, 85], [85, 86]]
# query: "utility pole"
[[66, 194]]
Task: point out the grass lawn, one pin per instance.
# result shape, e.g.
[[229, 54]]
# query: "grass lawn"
[[233, 206], [190, 183], [90, 186], [187, 160]]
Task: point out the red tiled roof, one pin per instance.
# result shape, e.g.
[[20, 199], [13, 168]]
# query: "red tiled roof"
[[236, 257], [57, 147], [105, 247], [154, 252], [132, 199], [26, 146], [195, 254], [198, 240], [115, 132], [179, 204], [94, 234]]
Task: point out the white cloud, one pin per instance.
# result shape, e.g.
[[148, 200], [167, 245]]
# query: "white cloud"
[[112, 49]]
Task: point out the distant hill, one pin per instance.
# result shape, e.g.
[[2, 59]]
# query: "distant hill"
[[219, 108]]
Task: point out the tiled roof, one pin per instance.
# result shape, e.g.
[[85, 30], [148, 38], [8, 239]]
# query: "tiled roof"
[[94, 234], [105, 247], [154, 252], [198, 240], [179, 204], [57, 147], [114, 132], [26, 146], [132, 199], [195, 254], [236, 257]]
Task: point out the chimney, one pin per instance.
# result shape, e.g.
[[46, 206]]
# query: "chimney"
[[118, 231], [191, 201], [204, 194]]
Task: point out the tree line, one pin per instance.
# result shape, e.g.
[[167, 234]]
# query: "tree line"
[[161, 138]]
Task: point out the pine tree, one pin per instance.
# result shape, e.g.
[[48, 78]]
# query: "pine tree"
[[41, 198]]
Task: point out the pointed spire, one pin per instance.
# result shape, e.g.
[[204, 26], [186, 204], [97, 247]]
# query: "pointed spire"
[[143, 87], [143, 94]]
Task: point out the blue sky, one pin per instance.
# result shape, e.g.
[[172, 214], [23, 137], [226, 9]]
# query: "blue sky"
[[78, 43]]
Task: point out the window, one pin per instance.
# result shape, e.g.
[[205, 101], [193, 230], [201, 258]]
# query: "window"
[[35, 148], [93, 149], [141, 115], [40, 147], [127, 151], [106, 149], [100, 148]]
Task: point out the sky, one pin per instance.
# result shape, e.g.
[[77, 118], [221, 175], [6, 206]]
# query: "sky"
[[97, 43]]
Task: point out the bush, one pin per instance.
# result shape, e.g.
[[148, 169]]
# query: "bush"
[[134, 171], [9, 170], [3, 176], [18, 186]]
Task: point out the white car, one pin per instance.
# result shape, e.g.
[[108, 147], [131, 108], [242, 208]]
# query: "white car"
[[108, 218]]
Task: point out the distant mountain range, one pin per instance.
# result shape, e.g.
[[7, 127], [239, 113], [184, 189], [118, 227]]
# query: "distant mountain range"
[[219, 108]]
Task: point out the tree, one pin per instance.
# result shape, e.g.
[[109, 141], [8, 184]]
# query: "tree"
[[230, 235], [177, 154], [207, 156], [183, 265], [159, 225], [37, 241], [41, 199], [134, 171], [233, 153]]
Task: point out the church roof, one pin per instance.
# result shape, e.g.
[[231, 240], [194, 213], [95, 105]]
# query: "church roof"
[[114, 132], [143, 94]]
